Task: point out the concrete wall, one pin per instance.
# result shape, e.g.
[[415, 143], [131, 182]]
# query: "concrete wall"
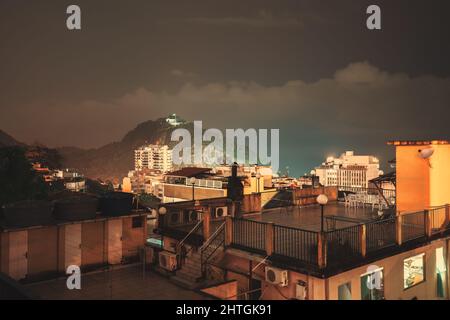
[[422, 183], [93, 244], [43, 252], [266, 196], [46, 245], [413, 179], [238, 269], [133, 238], [393, 276], [440, 175], [227, 290], [185, 192], [4, 252], [308, 196], [327, 289], [251, 203]]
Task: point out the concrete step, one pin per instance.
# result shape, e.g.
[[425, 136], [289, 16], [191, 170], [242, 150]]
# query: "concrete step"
[[194, 258], [188, 277], [190, 272], [192, 265], [193, 271], [184, 283]]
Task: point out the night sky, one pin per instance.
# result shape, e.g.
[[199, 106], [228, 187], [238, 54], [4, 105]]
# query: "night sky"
[[310, 68]]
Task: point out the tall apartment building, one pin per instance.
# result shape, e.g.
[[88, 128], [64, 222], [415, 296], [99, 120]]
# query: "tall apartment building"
[[349, 170], [152, 156]]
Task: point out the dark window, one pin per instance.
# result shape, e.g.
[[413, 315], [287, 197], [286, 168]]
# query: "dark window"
[[186, 216], [175, 218], [136, 222], [193, 215]]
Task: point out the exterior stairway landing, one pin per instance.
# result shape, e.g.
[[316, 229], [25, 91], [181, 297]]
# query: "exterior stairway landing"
[[190, 274]]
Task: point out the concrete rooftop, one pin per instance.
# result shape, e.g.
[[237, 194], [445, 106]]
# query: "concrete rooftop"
[[308, 217], [123, 283]]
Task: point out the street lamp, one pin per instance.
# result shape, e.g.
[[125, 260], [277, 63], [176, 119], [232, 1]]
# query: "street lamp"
[[313, 175], [258, 176], [162, 213], [192, 181], [322, 200]]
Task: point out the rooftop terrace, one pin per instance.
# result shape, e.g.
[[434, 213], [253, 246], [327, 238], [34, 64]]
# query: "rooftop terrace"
[[308, 217]]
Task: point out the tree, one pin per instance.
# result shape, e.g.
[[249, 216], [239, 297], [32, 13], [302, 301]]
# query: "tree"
[[18, 179]]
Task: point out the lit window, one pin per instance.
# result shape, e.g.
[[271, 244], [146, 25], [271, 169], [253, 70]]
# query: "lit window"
[[372, 285], [345, 291], [413, 271], [441, 270]]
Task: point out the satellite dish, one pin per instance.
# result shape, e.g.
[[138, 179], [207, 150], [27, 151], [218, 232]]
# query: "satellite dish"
[[426, 153]]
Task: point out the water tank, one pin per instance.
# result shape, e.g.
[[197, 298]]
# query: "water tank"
[[116, 203], [28, 213], [76, 208]]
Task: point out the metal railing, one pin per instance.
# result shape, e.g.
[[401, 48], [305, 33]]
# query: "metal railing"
[[413, 226], [210, 247], [343, 245], [387, 195], [438, 219], [249, 234], [180, 248], [386, 192], [380, 234], [296, 244]]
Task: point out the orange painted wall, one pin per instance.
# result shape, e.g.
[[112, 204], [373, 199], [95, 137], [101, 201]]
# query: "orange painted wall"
[[422, 183], [413, 179], [440, 175]]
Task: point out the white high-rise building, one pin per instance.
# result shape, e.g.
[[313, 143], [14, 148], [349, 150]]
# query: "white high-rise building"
[[348, 171], [152, 156]]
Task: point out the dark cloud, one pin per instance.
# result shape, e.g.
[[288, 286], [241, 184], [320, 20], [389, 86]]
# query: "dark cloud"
[[263, 19], [358, 103], [310, 68]]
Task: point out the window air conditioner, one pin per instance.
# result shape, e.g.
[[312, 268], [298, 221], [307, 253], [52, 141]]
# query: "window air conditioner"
[[277, 276], [168, 260], [220, 212]]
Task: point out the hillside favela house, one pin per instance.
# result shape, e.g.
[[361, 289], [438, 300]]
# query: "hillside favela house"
[[318, 243]]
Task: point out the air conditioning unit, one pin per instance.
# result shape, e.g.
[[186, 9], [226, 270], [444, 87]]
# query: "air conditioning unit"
[[277, 276], [301, 290], [168, 260], [220, 212]]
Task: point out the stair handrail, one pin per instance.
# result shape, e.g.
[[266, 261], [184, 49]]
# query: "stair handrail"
[[206, 245], [194, 229], [213, 236]]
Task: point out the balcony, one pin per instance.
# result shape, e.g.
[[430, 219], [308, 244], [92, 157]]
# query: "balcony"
[[336, 249]]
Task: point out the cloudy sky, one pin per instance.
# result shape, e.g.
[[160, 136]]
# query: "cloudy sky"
[[310, 68]]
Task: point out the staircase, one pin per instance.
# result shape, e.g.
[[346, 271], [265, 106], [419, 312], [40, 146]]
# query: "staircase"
[[193, 270], [211, 248]]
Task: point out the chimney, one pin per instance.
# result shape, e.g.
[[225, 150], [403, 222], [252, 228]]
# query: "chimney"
[[234, 168]]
